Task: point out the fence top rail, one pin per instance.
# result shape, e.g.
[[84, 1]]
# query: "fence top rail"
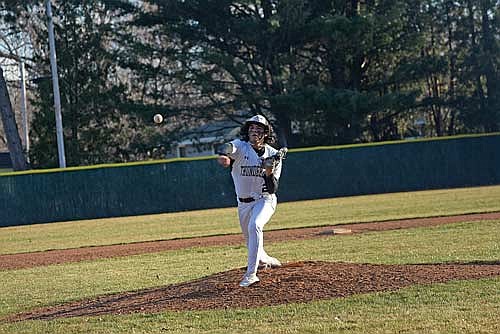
[[304, 149], [393, 142]]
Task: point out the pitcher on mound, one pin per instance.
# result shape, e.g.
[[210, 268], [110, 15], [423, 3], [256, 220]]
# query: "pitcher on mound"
[[255, 169]]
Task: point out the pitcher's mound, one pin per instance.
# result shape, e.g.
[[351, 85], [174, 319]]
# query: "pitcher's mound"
[[292, 283]]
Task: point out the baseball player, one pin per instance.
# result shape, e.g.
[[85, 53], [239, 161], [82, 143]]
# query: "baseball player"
[[255, 169]]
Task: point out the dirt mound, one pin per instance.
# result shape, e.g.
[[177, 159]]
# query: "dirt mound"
[[28, 260], [294, 282]]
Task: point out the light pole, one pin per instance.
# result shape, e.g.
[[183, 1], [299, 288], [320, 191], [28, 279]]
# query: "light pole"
[[55, 85]]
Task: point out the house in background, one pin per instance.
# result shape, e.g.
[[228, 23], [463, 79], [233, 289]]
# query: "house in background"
[[203, 141], [5, 162]]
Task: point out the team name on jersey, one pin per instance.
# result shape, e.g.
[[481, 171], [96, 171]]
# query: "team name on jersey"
[[251, 171]]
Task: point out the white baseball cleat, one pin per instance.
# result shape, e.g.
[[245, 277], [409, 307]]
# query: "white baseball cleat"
[[249, 280], [272, 262]]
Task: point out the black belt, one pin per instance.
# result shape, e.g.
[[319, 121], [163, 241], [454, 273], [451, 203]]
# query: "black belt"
[[246, 200]]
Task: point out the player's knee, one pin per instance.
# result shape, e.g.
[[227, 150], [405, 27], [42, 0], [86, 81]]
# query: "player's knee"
[[254, 227]]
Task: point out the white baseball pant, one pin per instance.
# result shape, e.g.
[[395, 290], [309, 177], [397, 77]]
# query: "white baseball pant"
[[253, 216]]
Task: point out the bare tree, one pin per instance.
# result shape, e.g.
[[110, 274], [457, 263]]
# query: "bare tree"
[[10, 128], [15, 46]]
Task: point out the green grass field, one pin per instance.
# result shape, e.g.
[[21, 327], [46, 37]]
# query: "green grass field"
[[454, 307], [225, 221]]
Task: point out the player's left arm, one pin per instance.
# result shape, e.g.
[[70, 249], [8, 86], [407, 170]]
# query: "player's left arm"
[[272, 172], [271, 182]]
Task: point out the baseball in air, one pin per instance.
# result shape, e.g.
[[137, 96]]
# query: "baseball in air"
[[158, 118]]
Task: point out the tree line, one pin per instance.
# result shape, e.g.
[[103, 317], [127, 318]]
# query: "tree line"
[[323, 72]]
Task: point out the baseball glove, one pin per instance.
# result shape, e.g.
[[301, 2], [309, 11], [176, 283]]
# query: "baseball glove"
[[272, 161]]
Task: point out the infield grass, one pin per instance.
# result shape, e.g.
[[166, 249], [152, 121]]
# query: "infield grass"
[[225, 221]]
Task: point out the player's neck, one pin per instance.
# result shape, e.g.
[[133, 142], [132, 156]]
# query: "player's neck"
[[259, 149], [257, 144]]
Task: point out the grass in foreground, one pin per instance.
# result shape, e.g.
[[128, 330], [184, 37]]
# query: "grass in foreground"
[[28, 288], [224, 221], [456, 307]]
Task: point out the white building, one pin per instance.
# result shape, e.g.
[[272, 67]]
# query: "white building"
[[203, 141]]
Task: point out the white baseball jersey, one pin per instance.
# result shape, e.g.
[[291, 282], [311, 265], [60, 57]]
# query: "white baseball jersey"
[[248, 177], [247, 170]]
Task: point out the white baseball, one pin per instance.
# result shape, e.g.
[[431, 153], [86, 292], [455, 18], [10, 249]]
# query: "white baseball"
[[158, 118]]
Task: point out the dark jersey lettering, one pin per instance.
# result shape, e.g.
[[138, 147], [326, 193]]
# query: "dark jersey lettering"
[[251, 171]]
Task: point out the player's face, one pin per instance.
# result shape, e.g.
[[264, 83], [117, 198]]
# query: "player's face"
[[256, 134]]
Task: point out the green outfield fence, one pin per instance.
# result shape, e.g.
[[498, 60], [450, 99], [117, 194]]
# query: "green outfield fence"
[[188, 184]]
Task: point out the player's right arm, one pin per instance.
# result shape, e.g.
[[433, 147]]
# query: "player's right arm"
[[224, 161], [226, 153]]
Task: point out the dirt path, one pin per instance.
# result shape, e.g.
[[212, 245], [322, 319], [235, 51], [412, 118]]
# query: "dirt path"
[[292, 283], [28, 260]]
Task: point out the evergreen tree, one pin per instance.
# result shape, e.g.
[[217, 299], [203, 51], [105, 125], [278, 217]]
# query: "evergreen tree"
[[480, 31], [324, 72], [327, 68], [92, 96]]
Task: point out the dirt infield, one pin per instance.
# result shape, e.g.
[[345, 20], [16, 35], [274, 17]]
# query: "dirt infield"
[[27, 260], [294, 282]]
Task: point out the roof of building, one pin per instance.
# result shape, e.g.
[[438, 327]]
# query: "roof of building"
[[216, 131]]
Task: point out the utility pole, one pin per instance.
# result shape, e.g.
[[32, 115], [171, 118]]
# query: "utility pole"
[[24, 110], [55, 85]]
